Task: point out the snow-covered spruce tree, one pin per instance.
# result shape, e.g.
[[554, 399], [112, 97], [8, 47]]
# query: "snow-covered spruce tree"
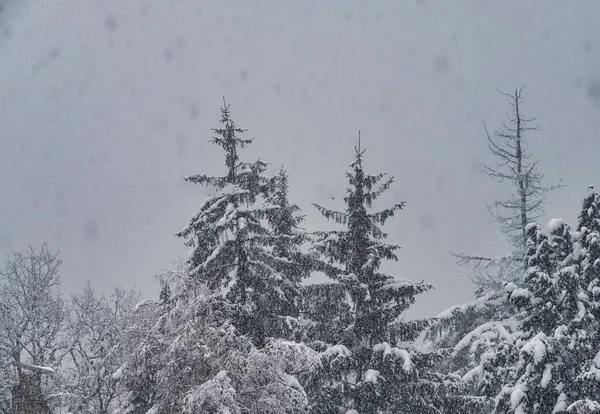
[[494, 347], [558, 349], [199, 352], [546, 358], [233, 250], [374, 368], [504, 316]]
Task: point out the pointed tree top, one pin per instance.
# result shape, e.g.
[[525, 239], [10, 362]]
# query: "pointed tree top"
[[225, 119], [359, 152]]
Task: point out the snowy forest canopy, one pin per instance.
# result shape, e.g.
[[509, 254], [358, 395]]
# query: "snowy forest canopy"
[[237, 330]]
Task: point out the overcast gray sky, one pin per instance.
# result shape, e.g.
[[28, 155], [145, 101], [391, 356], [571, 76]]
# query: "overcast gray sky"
[[98, 97]]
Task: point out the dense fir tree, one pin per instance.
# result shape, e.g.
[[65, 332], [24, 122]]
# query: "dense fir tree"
[[233, 249], [558, 343], [285, 221], [373, 368], [359, 250]]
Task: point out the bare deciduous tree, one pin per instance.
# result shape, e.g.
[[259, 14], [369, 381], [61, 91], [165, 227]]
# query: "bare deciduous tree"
[[97, 327], [525, 203], [32, 316]]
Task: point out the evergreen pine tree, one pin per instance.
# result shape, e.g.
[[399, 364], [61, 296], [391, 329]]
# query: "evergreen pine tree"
[[374, 368], [233, 249], [225, 221]]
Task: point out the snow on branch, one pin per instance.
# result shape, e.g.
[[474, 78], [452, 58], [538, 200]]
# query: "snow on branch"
[[382, 216], [337, 216], [402, 354], [38, 369], [484, 261]]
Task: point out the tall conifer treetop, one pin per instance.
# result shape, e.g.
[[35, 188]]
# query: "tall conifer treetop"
[[356, 254], [227, 220], [244, 240], [226, 138], [373, 367], [589, 217]]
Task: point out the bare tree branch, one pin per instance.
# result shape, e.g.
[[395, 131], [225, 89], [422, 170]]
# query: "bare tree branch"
[[528, 196]]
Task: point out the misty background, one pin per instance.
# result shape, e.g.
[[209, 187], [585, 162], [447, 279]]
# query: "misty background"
[[105, 106]]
